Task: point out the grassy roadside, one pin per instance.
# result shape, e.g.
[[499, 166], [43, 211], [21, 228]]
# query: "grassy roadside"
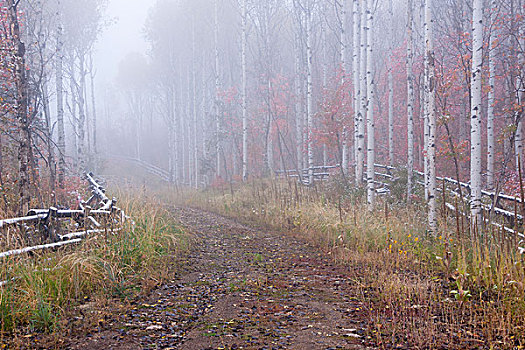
[[50, 289], [443, 291]]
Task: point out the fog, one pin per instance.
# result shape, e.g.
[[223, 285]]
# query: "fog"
[[123, 34]]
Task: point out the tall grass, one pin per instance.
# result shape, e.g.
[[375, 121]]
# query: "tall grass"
[[429, 291], [44, 289]]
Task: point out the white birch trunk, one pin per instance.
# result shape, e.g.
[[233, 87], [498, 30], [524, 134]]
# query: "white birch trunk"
[[518, 136], [309, 97], [491, 149], [390, 118], [269, 140], [344, 161], [370, 169], [363, 98], [520, 87], [182, 132], [218, 147], [188, 131], [391, 92], [244, 97], [195, 114], [355, 71], [61, 142], [475, 126], [93, 113], [73, 121], [431, 117], [410, 100], [81, 144], [298, 106]]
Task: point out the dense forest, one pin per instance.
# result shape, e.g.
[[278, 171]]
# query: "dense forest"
[[232, 90]]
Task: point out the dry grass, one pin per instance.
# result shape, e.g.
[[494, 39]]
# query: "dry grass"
[[45, 289], [442, 291]]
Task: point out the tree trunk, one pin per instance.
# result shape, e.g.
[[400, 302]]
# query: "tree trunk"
[[355, 71], [93, 112], [21, 108], [430, 116], [370, 169], [244, 97], [344, 156], [491, 149], [218, 147], [309, 92], [363, 97], [196, 169], [475, 131], [410, 100], [61, 143], [298, 107], [391, 92], [73, 111], [50, 146], [81, 147]]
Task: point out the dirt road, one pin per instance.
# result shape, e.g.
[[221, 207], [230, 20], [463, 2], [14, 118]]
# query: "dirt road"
[[240, 288]]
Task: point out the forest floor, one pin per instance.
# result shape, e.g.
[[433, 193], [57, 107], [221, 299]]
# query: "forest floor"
[[238, 288]]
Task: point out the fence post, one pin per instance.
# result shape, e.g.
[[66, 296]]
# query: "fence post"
[[87, 213], [53, 224]]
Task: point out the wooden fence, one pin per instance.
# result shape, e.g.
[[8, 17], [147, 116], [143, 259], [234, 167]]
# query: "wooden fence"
[[150, 168], [504, 213], [99, 214]]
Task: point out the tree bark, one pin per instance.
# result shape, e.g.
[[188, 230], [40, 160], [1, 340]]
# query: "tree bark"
[[475, 126], [410, 100], [309, 92], [363, 97], [344, 161], [21, 108], [244, 97], [430, 116], [218, 147], [61, 142], [370, 168], [391, 92], [491, 100], [356, 72], [81, 144]]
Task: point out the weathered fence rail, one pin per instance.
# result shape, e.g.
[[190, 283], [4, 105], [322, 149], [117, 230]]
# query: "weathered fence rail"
[[98, 214], [323, 172], [506, 210]]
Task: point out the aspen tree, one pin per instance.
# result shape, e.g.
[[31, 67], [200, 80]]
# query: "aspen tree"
[[491, 100], [370, 111], [342, 47], [244, 97], [410, 99], [430, 116], [309, 91], [475, 126], [363, 96], [355, 72], [391, 90], [59, 81]]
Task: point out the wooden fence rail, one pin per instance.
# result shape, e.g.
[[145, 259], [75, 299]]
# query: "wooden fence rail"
[[99, 214], [505, 214]]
